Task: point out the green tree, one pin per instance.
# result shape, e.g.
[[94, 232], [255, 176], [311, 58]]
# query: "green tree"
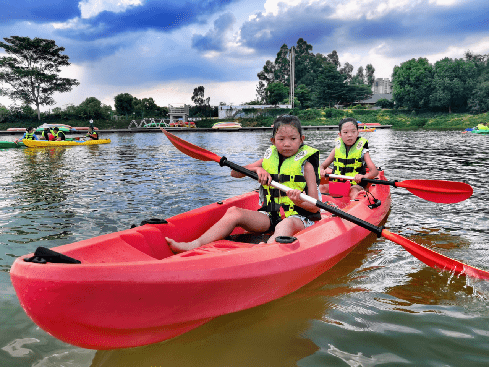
[[91, 108], [452, 84], [32, 69], [412, 83], [384, 103], [198, 97], [329, 87], [124, 104], [276, 93], [360, 75], [478, 101], [304, 96], [333, 57], [282, 70], [346, 72], [370, 75], [260, 92], [356, 93], [267, 73]]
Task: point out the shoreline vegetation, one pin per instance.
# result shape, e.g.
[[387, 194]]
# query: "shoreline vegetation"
[[398, 119]]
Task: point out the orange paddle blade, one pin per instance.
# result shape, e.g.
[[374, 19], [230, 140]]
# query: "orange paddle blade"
[[438, 191], [434, 259], [190, 149]]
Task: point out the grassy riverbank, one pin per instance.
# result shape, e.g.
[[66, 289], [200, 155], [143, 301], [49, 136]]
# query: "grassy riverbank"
[[400, 120]]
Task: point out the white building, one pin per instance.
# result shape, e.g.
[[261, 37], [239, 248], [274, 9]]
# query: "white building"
[[382, 86]]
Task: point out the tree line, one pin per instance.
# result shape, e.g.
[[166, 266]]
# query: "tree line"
[[30, 74], [448, 85], [319, 80]]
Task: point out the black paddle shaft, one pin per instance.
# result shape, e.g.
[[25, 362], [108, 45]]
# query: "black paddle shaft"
[[370, 227], [379, 182]]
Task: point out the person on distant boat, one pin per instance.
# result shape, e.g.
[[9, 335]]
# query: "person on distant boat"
[[29, 135], [92, 134], [350, 158], [46, 135], [58, 134], [287, 161]]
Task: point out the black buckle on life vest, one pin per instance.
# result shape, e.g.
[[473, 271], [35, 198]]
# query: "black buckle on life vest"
[[44, 255]]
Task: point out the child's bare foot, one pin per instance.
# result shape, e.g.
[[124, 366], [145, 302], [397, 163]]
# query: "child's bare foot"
[[177, 247]]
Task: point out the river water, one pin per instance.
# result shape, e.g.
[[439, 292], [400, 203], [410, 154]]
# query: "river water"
[[378, 307]]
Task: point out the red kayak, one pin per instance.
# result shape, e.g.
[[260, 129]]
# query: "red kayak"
[[128, 289]]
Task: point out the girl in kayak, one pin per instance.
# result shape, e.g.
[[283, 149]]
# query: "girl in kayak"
[[46, 135], [29, 135], [350, 158], [92, 134], [288, 161]]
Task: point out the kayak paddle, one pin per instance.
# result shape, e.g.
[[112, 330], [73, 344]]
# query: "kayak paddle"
[[437, 191], [422, 253]]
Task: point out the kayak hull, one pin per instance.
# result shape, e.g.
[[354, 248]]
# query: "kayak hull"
[[58, 143], [227, 125], [11, 144], [130, 290]]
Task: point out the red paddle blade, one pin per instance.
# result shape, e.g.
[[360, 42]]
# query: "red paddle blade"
[[434, 259], [190, 149], [446, 192]]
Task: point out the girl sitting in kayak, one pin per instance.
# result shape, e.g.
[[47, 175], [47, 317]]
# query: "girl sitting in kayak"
[[46, 135], [29, 135], [92, 134], [287, 161], [350, 158]]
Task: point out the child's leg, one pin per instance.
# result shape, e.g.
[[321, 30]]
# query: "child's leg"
[[354, 191], [323, 188], [249, 220], [287, 227]]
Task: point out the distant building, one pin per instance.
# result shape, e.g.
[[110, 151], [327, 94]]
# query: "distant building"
[[178, 112], [382, 86], [375, 98]]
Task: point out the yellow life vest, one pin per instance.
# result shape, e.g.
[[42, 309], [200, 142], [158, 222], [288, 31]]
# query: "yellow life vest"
[[29, 136], [289, 174], [349, 164]]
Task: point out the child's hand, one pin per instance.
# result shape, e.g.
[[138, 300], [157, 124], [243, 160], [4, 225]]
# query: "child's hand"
[[325, 171], [264, 176], [294, 196], [358, 178]]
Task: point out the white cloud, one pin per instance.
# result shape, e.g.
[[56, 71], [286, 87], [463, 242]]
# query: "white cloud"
[[91, 8], [371, 9], [476, 46]]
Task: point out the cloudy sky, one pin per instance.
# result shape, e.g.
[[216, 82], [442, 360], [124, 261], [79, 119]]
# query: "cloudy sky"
[[165, 48]]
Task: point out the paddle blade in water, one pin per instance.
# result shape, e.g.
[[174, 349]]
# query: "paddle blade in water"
[[434, 259], [438, 191], [190, 149]]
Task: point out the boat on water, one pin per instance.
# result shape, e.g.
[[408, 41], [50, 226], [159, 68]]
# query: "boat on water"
[[62, 127], [480, 129], [20, 144], [227, 125], [11, 144], [58, 143], [127, 289]]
